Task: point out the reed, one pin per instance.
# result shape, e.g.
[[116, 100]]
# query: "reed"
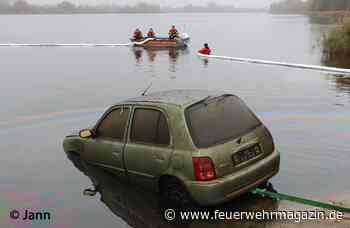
[[337, 42]]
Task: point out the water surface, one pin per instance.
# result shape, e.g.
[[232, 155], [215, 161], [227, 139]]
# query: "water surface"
[[48, 92]]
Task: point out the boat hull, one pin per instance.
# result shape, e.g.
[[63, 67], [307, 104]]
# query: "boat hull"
[[160, 43]]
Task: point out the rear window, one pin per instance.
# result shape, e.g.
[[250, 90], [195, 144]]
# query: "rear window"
[[218, 120]]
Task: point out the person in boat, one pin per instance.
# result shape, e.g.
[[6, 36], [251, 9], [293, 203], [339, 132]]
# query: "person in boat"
[[205, 50], [151, 33], [138, 35], [173, 33]]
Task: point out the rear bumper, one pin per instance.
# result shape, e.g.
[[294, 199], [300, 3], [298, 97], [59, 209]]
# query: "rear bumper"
[[231, 186]]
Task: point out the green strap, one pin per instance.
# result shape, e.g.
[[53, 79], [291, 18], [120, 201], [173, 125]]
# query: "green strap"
[[281, 196]]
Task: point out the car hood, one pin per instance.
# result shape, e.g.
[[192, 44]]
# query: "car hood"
[[74, 133]]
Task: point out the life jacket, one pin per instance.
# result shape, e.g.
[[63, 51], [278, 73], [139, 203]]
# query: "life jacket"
[[150, 34], [137, 35], [173, 31], [205, 51]]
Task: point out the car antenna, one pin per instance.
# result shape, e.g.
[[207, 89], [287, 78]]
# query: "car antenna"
[[146, 90]]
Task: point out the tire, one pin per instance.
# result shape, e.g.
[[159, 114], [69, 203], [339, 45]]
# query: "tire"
[[175, 195], [267, 186], [264, 185]]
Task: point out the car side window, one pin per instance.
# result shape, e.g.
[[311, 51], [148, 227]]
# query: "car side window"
[[150, 126], [113, 126]]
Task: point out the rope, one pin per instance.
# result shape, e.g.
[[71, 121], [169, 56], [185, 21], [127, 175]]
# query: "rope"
[[63, 45], [295, 199], [332, 70]]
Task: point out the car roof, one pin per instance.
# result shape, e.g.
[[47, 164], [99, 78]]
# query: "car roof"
[[176, 97]]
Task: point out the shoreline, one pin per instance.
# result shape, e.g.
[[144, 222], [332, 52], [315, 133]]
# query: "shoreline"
[[330, 17], [327, 17]]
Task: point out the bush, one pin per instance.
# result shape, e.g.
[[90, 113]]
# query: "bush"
[[338, 41]]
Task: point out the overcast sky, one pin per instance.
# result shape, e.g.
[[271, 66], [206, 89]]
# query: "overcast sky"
[[238, 3]]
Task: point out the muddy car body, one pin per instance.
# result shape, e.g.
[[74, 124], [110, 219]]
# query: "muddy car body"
[[190, 145]]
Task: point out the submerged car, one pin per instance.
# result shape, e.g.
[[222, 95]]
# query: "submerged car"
[[190, 145]]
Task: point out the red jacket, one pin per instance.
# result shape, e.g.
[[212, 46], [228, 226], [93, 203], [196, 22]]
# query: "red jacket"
[[173, 31], [205, 51], [151, 34], [137, 35]]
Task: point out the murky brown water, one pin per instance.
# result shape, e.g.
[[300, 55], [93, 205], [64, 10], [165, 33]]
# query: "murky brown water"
[[47, 92]]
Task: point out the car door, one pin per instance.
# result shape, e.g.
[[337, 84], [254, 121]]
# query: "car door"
[[106, 148], [149, 147]]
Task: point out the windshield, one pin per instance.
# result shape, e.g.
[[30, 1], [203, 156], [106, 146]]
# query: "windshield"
[[218, 120]]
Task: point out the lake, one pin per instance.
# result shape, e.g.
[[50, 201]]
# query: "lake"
[[47, 92]]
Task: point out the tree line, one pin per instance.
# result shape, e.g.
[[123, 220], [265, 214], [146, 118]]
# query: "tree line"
[[67, 7], [288, 6], [300, 6], [322, 5]]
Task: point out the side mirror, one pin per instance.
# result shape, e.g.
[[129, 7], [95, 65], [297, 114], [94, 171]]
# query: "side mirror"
[[86, 133]]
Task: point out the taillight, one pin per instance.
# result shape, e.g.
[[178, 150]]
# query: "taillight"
[[204, 169]]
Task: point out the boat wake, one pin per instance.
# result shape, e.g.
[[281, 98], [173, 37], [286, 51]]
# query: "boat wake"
[[63, 45], [330, 70]]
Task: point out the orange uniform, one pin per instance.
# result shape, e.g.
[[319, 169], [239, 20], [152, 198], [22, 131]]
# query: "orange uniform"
[[173, 33]]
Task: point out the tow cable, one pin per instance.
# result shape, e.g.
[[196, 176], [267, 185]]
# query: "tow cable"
[[295, 199]]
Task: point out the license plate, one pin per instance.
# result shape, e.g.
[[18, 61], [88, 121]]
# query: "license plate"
[[246, 155]]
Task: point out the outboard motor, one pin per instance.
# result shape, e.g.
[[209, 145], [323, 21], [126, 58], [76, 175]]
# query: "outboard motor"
[[184, 37]]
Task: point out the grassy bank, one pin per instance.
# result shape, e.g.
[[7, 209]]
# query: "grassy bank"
[[337, 43]]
